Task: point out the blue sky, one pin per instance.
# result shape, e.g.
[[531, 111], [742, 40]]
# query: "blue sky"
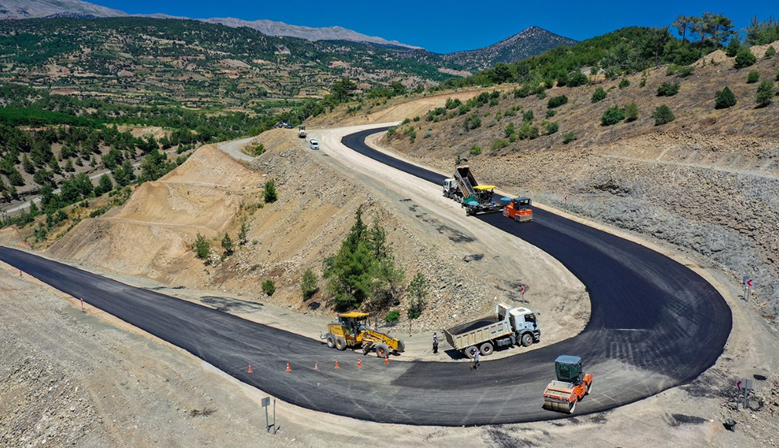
[[447, 26]]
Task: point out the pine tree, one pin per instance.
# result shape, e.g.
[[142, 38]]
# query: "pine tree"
[[724, 99]]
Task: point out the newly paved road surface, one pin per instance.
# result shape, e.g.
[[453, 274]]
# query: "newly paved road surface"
[[655, 324]]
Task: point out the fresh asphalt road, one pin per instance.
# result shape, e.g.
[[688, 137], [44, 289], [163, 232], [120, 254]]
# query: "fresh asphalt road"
[[655, 324]]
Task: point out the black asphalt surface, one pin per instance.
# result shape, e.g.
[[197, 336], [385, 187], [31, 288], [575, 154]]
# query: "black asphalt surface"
[[655, 324]]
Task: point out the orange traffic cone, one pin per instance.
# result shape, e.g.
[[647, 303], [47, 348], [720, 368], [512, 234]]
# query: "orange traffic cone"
[[250, 368], [386, 359], [336, 365], [288, 369], [359, 364], [316, 366]]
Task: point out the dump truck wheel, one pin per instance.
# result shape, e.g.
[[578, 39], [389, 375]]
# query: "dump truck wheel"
[[340, 343], [381, 350], [471, 351], [527, 340], [330, 340], [486, 349]]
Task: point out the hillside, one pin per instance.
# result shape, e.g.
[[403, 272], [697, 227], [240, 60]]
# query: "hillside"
[[706, 182], [530, 42], [141, 61], [30, 9]]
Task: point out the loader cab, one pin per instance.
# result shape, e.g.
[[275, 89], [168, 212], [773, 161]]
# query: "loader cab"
[[568, 369], [353, 323]]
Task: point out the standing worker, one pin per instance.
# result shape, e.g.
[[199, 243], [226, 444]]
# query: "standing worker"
[[435, 343], [476, 360]]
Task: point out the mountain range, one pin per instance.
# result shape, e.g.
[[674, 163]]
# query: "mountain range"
[[529, 42]]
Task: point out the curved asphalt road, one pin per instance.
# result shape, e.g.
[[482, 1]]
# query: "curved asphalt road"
[[655, 324]]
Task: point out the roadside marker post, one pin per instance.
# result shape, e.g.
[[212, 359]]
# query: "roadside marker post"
[[266, 403], [82, 305], [747, 287]]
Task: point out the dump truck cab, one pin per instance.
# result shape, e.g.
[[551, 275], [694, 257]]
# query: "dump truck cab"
[[352, 330], [571, 385], [519, 209]]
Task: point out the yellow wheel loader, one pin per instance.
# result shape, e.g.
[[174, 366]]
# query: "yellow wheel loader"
[[351, 331]]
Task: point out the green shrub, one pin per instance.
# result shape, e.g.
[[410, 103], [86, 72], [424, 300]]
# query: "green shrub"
[[668, 89], [578, 79], [613, 115], [550, 113], [777, 76], [733, 46], [259, 149], [472, 122], [663, 115], [498, 144], [527, 131], [528, 115], [685, 71], [643, 82], [227, 245], [569, 137], [270, 191], [624, 83], [392, 316], [309, 284], [268, 287], [556, 102], [769, 53], [202, 247], [724, 99], [744, 58], [764, 93], [509, 130], [753, 77], [552, 127], [475, 150], [598, 95], [631, 112]]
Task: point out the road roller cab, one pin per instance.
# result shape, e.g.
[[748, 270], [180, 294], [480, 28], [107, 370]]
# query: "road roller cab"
[[572, 385]]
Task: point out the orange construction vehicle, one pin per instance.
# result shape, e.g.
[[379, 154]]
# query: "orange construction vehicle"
[[572, 385], [519, 210]]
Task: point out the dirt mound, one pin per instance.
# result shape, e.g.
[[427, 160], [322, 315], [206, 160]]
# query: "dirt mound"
[[153, 232], [11, 237]]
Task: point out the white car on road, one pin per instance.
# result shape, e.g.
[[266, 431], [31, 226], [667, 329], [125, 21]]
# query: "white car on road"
[[313, 143]]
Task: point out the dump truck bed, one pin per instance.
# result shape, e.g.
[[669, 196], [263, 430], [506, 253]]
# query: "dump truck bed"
[[477, 332]]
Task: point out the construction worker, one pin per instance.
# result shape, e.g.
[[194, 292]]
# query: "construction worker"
[[435, 343], [476, 360]]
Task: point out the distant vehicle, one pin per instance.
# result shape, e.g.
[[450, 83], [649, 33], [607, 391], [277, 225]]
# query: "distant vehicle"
[[313, 143], [302, 131], [464, 189]]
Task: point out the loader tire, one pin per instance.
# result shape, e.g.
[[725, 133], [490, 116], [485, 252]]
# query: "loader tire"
[[527, 340], [382, 350], [340, 343], [486, 349], [330, 340]]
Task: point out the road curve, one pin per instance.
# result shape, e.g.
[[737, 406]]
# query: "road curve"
[[655, 324]]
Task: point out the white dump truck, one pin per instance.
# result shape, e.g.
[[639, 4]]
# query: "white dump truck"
[[507, 327]]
